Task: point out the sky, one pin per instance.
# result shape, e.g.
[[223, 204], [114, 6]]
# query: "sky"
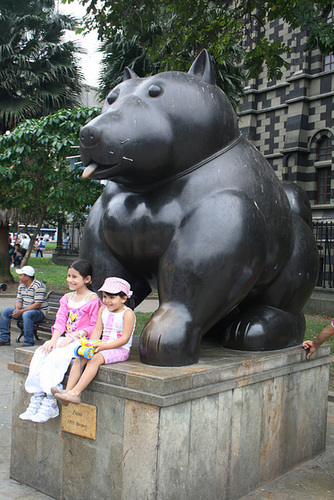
[[91, 60]]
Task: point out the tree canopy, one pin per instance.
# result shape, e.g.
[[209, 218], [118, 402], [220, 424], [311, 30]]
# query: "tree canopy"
[[39, 72], [35, 175], [167, 35]]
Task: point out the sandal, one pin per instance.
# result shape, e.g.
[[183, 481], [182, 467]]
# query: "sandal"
[[60, 400], [66, 398], [55, 390]]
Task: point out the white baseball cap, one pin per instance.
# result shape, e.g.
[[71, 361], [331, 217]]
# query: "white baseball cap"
[[28, 270]]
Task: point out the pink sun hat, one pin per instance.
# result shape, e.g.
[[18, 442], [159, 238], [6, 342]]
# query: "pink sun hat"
[[116, 285]]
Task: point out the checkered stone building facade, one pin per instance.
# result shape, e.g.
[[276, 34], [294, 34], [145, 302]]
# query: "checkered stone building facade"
[[291, 120]]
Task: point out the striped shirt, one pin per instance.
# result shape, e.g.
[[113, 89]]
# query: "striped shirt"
[[35, 293]]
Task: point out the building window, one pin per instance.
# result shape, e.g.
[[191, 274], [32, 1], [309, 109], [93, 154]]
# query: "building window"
[[324, 149], [328, 61], [324, 185], [323, 165]]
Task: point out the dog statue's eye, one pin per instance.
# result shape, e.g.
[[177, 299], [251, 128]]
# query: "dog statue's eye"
[[112, 97], [155, 91]]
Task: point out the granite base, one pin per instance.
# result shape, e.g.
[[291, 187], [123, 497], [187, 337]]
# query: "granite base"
[[215, 430]]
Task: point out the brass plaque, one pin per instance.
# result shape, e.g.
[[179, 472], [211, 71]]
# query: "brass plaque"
[[79, 419]]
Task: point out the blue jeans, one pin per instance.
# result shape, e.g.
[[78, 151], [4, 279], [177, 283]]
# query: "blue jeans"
[[28, 317]]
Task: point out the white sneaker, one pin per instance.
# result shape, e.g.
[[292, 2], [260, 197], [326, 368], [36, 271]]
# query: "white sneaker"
[[48, 409], [34, 406]]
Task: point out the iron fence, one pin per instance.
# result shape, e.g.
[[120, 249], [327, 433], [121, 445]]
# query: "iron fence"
[[324, 235]]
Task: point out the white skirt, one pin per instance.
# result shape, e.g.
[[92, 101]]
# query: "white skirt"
[[48, 370]]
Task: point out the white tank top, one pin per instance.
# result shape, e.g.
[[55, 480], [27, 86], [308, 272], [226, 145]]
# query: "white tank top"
[[113, 326], [76, 305]]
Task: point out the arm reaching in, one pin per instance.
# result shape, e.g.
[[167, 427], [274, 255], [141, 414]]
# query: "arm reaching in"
[[313, 345]]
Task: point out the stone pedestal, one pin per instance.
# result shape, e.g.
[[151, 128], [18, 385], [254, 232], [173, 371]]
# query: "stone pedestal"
[[215, 430]]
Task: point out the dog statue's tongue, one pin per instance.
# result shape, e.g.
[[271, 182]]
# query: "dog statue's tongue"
[[89, 170]]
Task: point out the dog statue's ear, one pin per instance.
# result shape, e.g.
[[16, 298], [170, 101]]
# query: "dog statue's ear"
[[128, 74], [203, 68]]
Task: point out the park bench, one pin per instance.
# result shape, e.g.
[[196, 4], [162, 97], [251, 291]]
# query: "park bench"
[[44, 326]]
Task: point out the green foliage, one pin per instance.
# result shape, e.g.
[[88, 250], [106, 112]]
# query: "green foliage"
[[150, 36], [35, 177], [39, 73], [273, 53], [120, 53]]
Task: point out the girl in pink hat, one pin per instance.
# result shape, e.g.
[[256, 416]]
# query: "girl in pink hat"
[[117, 322]]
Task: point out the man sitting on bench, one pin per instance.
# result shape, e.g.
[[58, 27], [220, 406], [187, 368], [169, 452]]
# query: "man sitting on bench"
[[31, 306]]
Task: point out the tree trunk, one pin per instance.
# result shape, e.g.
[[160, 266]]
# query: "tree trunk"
[[31, 245], [33, 239], [5, 275]]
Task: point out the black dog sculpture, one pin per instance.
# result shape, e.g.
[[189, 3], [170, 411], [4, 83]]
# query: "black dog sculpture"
[[193, 209]]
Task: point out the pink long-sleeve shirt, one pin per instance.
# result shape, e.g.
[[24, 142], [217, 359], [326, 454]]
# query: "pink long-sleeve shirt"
[[70, 319]]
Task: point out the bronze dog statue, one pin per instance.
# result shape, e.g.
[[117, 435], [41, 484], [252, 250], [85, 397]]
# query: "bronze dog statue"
[[192, 208]]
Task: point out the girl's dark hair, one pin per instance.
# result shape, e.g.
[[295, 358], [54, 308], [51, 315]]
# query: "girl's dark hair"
[[84, 268], [129, 301]]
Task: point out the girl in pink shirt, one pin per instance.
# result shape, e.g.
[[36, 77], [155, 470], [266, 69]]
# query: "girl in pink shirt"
[[75, 318], [117, 323]]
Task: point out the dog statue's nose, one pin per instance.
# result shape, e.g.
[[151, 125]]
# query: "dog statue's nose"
[[90, 135]]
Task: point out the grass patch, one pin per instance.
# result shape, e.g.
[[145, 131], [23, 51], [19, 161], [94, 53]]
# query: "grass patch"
[[50, 246], [52, 275], [141, 320]]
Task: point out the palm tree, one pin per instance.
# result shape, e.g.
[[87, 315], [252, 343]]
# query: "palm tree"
[[120, 51], [39, 73]]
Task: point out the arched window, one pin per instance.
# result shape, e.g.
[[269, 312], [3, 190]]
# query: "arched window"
[[324, 170], [324, 149], [328, 61]]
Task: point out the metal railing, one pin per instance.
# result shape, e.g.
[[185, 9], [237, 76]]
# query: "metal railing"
[[74, 231], [324, 235]]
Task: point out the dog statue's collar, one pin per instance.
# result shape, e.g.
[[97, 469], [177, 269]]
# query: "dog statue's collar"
[[153, 185]]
